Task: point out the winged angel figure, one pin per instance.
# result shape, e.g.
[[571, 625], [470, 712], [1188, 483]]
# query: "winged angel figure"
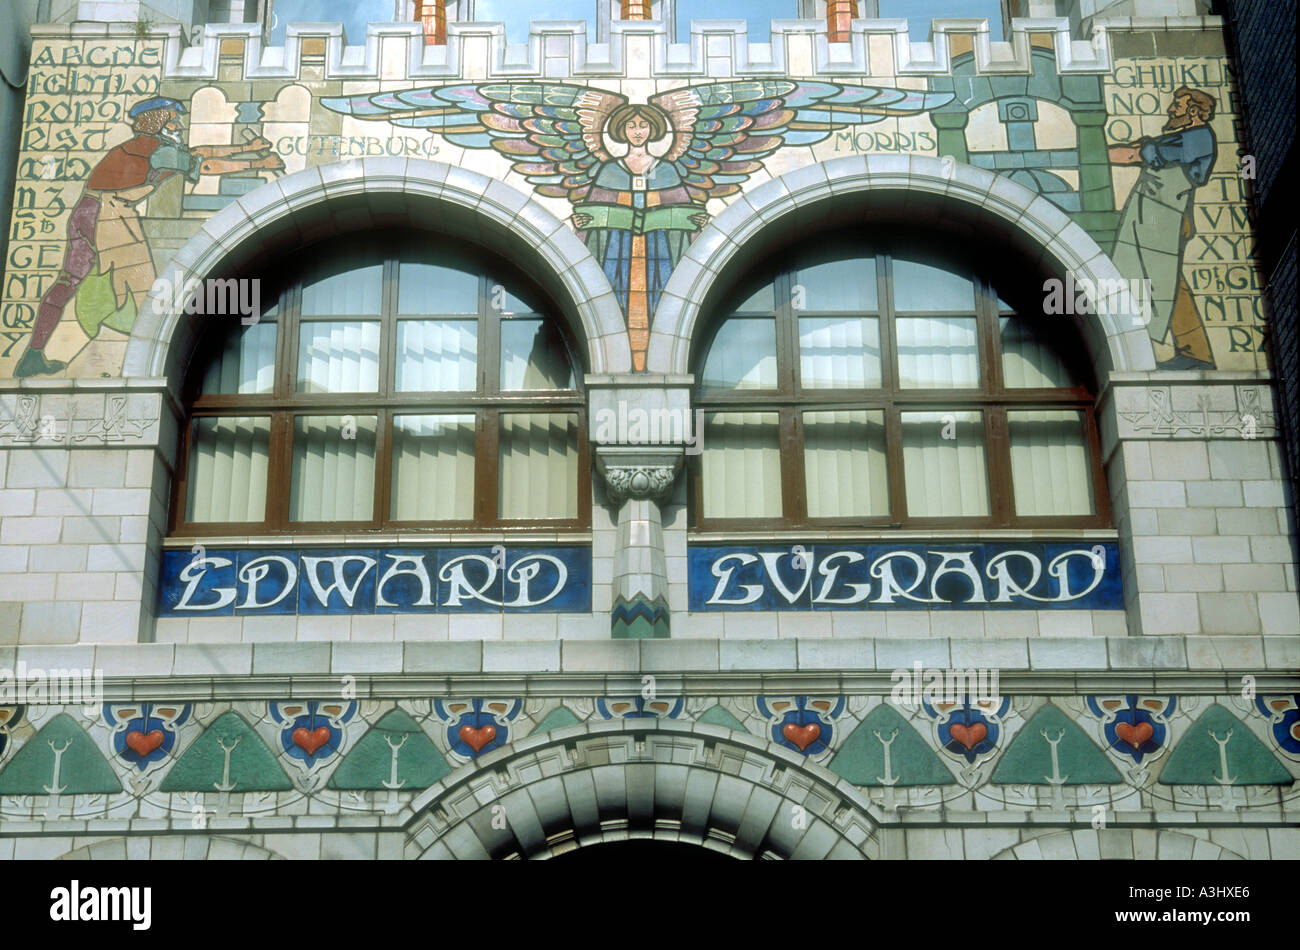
[[639, 176]]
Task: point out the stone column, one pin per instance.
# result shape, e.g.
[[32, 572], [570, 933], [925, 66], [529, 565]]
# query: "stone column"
[[638, 482]]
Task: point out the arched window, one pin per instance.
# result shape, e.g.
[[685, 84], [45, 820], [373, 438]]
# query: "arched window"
[[395, 384], [890, 386]]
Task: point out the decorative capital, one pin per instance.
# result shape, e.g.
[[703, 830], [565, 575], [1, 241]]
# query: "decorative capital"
[[639, 481]]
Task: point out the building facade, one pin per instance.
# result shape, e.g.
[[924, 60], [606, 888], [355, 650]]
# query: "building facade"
[[425, 436]]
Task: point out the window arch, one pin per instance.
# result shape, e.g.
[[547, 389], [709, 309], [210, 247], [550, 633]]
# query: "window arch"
[[390, 384], [890, 385]]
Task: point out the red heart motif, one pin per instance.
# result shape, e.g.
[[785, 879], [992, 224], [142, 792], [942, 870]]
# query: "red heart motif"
[[309, 742], [142, 744], [801, 736], [969, 736], [1295, 729], [1134, 735], [476, 739]]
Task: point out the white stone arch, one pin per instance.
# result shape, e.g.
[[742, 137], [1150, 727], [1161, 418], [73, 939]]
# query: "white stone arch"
[[199, 846], [1086, 844], [635, 779], [913, 187], [383, 193]]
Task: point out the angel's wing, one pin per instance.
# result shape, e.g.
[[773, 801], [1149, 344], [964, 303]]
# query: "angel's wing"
[[723, 131], [551, 132]]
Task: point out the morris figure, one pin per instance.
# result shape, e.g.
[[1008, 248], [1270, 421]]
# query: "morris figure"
[[1157, 223]]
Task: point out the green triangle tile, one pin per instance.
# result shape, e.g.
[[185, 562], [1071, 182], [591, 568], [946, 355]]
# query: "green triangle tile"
[[860, 759], [1196, 760], [369, 766], [557, 718], [715, 715], [83, 770], [1028, 760], [253, 767]]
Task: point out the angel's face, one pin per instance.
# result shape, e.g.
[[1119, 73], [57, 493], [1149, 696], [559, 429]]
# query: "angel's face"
[[637, 131]]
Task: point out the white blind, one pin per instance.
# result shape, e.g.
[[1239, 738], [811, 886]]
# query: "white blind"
[[433, 468], [355, 290], [437, 355], [943, 464], [937, 352], [1050, 471], [1029, 362], [844, 463], [533, 356], [333, 468], [434, 289], [338, 357], [743, 355], [742, 465], [538, 470], [246, 363], [839, 352], [228, 463]]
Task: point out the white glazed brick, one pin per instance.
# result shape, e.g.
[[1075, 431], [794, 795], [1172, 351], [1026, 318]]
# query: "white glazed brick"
[[26, 587], [1163, 494], [17, 502], [63, 501], [475, 627], [1185, 460], [1013, 623], [1215, 494], [420, 627], [13, 558], [115, 622], [1263, 494], [55, 622], [37, 468], [1229, 613], [1225, 653], [1239, 459], [816, 625], [1231, 550], [33, 530], [86, 586], [1162, 550], [1168, 614], [1276, 549], [1065, 623], [59, 558], [97, 469], [1256, 577], [1279, 614]]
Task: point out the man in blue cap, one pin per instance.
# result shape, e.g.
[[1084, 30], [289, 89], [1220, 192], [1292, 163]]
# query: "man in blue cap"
[[108, 268]]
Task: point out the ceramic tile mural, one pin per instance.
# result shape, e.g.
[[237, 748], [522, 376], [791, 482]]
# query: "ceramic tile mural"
[[915, 751], [122, 160]]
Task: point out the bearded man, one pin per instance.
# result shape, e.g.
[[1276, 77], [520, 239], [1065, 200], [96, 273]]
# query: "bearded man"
[[108, 268], [1157, 223]]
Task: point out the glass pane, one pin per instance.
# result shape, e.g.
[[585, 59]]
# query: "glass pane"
[[539, 465], [757, 13], [743, 356], [437, 356], [937, 352], [1050, 469], [844, 463], [533, 356], [742, 465], [919, 13], [1028, 360], [839, 352], [922, 287], [848, 285], [434, 289], [433, 468], [338, 357], [333, 468], [353, 14], [516, 16], [356, 290], [227, 474], [943, 464], [757, 300], [246, 363]]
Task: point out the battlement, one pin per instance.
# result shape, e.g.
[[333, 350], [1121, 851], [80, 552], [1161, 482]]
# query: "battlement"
[[637, 49]]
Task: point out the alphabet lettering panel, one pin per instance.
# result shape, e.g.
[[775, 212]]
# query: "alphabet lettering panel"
[[227, 582], [1046, 576]]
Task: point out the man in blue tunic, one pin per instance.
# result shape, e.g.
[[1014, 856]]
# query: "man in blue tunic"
[[1157, 223]]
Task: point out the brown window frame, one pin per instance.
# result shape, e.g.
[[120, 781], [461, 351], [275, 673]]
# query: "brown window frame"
[[992, 399], [487, 402]]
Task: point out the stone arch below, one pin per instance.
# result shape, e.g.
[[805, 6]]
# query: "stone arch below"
[[1121, 843], [197, 847], [382, 194], [636, 779], [918, 190]]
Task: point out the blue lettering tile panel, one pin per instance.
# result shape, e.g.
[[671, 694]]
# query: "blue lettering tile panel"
[[1057, 575], [366, 580]]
